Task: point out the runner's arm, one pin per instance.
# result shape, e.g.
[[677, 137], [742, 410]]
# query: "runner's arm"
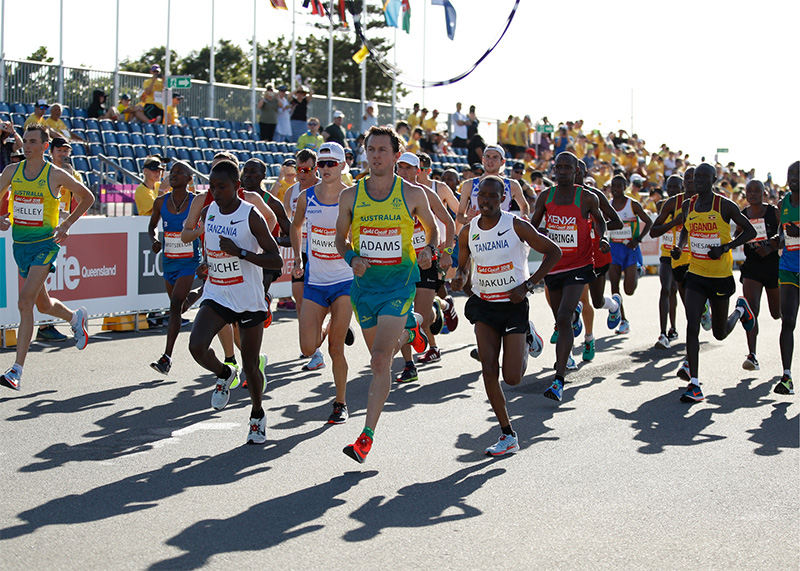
[[283, 221], [684, 235], [269, 258], [79, 192], [600, 221], [731, 212], [464, 265], [269, 216], [543, 245], [192, 227], [463, 204], [296, 231], [419, 207], [343, 223], [445, 259], [614, 222], [519, 198], [660, 227], [155, 217]]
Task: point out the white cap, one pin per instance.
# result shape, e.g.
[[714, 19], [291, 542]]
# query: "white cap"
[[337, 114], [371, 104], [496, 148], [331, 151], [410, 159]]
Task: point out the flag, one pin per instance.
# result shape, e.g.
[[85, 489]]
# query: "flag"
[[449, 16], [343, 13], [278, 4], [391, 12], [406, 17], [317, 7], [361, 55]]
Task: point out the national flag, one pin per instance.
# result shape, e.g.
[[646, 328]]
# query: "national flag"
[[391, 12], [317, 7], [343, 13], [278, 4], [406, 16], [449, 16], [361, 55]]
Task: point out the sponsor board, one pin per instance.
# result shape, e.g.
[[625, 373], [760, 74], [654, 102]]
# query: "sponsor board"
[[151, 270]]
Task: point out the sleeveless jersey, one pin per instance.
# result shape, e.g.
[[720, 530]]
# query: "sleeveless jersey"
[[599, 258], [686, 254], [32, 205], [233, 283], [567, 227], [630, 224], [175, 251], [499, 259], [790, 257], [325, 265], [294, 192], [505, 205], [420, 240], [382, 232], [765, 226], [706, 230]]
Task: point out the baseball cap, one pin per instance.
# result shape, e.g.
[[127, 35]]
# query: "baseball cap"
[[409, 159], [153, 164], [18, 153], [477, 167], [337, 114], [42, 103], [59, 142], [125, 97], [519, 167], [371, 104], [178, 96], [290, 163], [495, 148], [155, 68], [283, 88], [331, 150], [636, 179]]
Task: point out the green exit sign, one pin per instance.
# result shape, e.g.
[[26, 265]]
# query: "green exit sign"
[[722, 150], [179, 82], [544, 128]]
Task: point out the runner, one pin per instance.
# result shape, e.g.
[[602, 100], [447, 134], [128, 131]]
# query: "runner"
[[379, 213], [788, 275], [498, 243], [408, 168], [626, 255], [180, 260], [668, 298], [327, 277], [234, 291], [760, 268], [37, 235], [710, 277], [568, 209]]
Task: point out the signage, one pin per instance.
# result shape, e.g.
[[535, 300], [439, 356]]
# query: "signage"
[[179, 82]]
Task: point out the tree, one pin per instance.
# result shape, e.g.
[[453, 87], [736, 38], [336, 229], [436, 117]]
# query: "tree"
[[41, 55], [231, 64], [152, 56]]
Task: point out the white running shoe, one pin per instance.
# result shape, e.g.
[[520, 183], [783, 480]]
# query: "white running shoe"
[[571, 364], [662, 343], [624, 328], [79, 331], [258, 430], [507, 444], [11, 379], [317, 362], [222, 390], [535, 342]]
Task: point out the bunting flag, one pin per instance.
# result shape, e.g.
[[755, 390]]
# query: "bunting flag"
[[391, 12], [317, 7], [449, 16], [343, 13], [361, 55], [278, 4], [406, 16]]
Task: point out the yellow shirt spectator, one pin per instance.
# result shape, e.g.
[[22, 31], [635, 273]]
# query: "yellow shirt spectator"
[[145, 197], [520, 135], [172, 115], [429, 124], [32, 120], [157, 95], [413, 121]]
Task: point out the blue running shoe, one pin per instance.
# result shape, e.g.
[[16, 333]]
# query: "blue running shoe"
[[555, 391], [693, 393], [614, 317], [577, 324], [705, 319], [748, 319]]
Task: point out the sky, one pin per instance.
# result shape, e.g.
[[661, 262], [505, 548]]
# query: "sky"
[[696, 75]]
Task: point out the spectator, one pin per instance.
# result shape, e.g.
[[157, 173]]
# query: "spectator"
[[311, 139], [414, 146], [11, 142], [404, 131], [283, 131], [96, 108], [502, 131], [472, 127], [38, 113], [361, 155], [429, 124], [562, 141], [56, 126], [369, 119], [286, 178], [475, 148], [152, 97], [413, 119], [60, 151], [517, 174], [334, 132], [268, 113], [460, 122], [147, 192], [172, 110], [126, 110], [300, 100]]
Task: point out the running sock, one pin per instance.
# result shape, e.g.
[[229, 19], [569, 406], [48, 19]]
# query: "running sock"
[[226, 372], [18, 368], [507, 430], [369, 432], [560, 378], [694, 381], [409, 363], [74, 319], [740, 311], [259, 416], [610, 304], [786, 372], [231, 360], [589, 337]]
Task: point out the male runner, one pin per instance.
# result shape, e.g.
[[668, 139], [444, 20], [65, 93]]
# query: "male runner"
[[788, 275], [668, 298], [710, 277], [626, 254], [237, 244], [568, 209], [327, 277], [498, 243], [37, 235], [379, 214], [180, 260]]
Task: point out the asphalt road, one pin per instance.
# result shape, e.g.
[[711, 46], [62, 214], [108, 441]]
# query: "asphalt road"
[[105, 464]]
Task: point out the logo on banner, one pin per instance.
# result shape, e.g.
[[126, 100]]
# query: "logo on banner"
[[151, 269]]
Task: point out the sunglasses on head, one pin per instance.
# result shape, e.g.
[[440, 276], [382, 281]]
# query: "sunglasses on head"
[[327, 164], [305, 169]]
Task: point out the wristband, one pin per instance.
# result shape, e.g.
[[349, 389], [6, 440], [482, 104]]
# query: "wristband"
[[349, 255]]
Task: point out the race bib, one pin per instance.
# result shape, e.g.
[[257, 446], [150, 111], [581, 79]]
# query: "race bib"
[[624, 234], [381, 246], [224, 269], [496, 282], [792, 242], [565, 235], [175, 248], [667, 240], [418, 239], [702, 243], [28, 211], [323, 243], [761, 229]]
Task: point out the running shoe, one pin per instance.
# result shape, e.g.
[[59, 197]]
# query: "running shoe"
[[507, 444], [693, 393], [571, 364], [258, 430], [672, 334], [268, 320], [262, 365], [705, 319], [163, 365], [554, 336], [445, 330], [588, 350], [234, 365], [408, 375], [640, 270], [416, 337], [555, 391], [359, 449], [614, 317], [438, 318], [317, 362], [50, 333], [577, 324], [748, 319], [350, 336], [624, 327], [750, 363], [662, 343], [683, 372], [475, 355], [431, 356], [784, 386], [222, 392], [13, 378], [535, 343], [79, 329], [339, 414], [450, 315]]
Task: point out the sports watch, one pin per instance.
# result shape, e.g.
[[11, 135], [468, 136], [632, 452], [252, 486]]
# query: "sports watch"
[[448, 251], [529, 286], [242, 253]]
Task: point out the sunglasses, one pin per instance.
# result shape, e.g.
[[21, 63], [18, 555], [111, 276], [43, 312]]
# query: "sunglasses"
[[305, 169], [327, 164], [313, 124]]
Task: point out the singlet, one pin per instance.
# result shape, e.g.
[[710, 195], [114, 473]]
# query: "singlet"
[[232, 282], [668, 239], [294, 193], [599, 258], [499, 259], [175, 251], [630, 224], [790, 257], [706, 230], [765, 227], [567, 227], [419, 240], [382, 232], [32, 205], [505, 205], [686, 254], [325, 265]]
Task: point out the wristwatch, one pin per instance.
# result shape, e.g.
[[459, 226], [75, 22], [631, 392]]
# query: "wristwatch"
[[448, 251], [242, 253], [529, 286]]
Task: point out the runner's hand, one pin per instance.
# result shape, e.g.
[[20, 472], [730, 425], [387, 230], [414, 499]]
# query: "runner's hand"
[[631, 245], [792, 229], [424, 258], [5, 223], [457, 283], [156, 247], [445, 261], [675, 253], [61, 233], [359, 265], [297, 270], [762, 249], [604, 246], [716, 252], [228, 246], [518, 294]]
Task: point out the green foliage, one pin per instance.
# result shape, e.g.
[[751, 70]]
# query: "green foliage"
[[40, 55], [157, 55]]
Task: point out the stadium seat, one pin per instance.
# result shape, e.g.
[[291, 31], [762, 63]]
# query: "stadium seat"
[[129, 164], [92, 125], [186, 131], [208, 154], [196, 155], [183, 154], [112, 151], [20, 108], [106, 125], [227, 125], [215, 144], [78, 150], [201, 142], [121, 127], [150, 140], [109, 137], [78, 123], [261, 146], [227, 144], [96, 149], [4, 107], [80, 163], [123, 139], [139, 164], [153, 150], [126, 151], [67, 121], [172, 153], [148, 128], [203, 167], [193, 122], [137, 139], [65, 111], [135, 127], [158, 127], [93, 136], [80, 113], [250, 146], [238, 145], [94, 163], [272, 147], [140, 151], [174, 129]]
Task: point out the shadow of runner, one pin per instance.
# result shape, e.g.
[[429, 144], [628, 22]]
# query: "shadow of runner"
[[264, 525], [422, 504], [776, 431]]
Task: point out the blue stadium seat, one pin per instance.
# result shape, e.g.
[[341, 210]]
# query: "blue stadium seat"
[[20, 108], [67, 122], [261, 146], [94, 162], [4, 107], [93, 180], [208, 154], [95, 149], [4, 116], [250, 146], [78, 112], [205, 122], [139, 164], [276, 170], [111, 150], [183, 154], [172, 153], [174, 129], [227, 125], [201, 142], [238, 145], [129, 164], [18, 119], [150, 140], [127, 151], [109, 137], [159, 128], [234, 135], [242, 156], [140, 151], [196, 155], [227, 144], [148, 128], [92, 125], [186, 131], [80, 163], [123, 139], [135, 127], [215, 144], [268, 158], [137, 139], [203, 167], [65, 111], [153, 150], [121, 127], [93, 136], [106, 125], [175, 141], [193, 122], [78, 150], [78, 123]]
